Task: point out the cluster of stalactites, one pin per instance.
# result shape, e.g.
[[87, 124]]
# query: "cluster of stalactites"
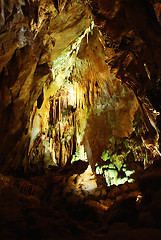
[[62, 130], [60, 138]]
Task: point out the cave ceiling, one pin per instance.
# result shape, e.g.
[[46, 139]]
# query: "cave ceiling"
[[77, 73]]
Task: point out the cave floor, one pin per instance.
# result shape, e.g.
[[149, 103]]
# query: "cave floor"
[[47, 207]]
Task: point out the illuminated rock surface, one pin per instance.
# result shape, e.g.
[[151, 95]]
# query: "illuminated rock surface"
[[80, 119]]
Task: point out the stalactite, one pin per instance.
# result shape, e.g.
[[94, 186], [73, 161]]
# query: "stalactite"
[[67, 103], [53, 147], [83, 101], [95, 90], [58, 117], [53, 152], [98, 96], [57, 110], [74, 144], [51, 144], [54, 111], [80, 105], [69, 152], [64, 125], [71, 146], [76, 96], [56, 134], [51, 112], [90, 94], [60, 154], [93, 100], [87, 94]]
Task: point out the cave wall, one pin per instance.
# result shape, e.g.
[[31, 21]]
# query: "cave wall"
[[110, 54], [131, 33], [29, 33], [85, 105]]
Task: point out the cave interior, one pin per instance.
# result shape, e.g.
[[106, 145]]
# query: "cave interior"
[[80, 87]]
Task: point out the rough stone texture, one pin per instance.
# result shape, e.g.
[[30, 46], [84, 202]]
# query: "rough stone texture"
[[42, 207], [34, 34], [132, 46], [109, 52], [29, 33]]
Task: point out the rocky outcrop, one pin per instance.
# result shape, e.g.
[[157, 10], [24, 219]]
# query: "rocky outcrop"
[[75, 73], [78, 79], [59, 204], [33, 35], [132, 46]]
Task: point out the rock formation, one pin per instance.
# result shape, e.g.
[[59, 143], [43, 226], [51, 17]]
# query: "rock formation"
[[80, 119]]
